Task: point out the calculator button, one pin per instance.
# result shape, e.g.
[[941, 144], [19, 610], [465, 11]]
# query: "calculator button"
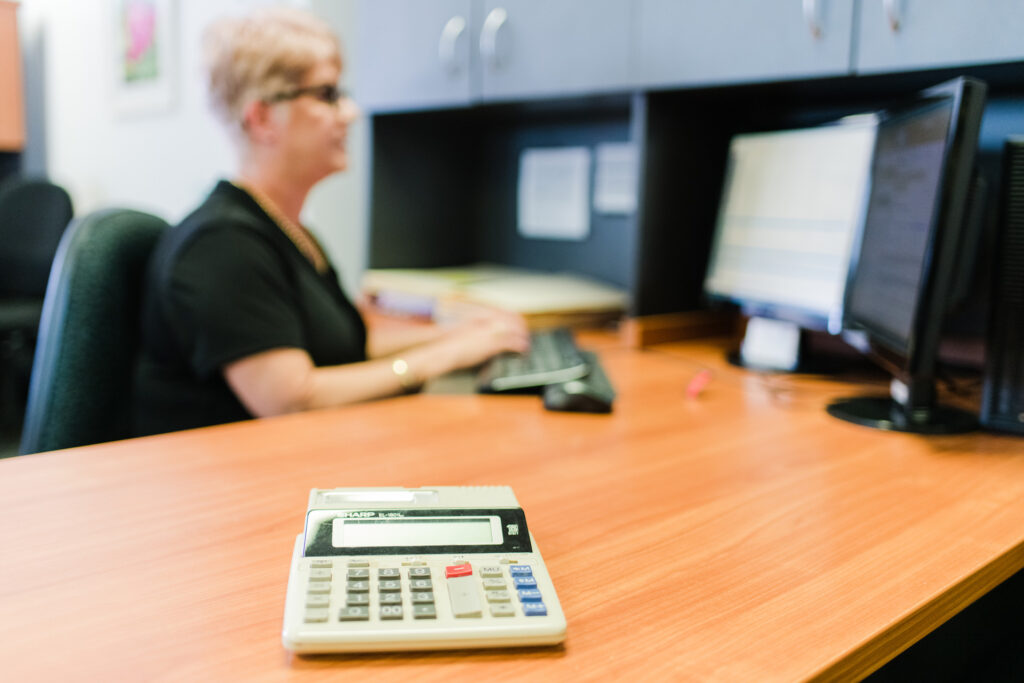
[[524, 582], [534, 609], [319, 574], [319, 587], [352, 564], [424, 611], [423, 598], [391, 612], [354, 613], [357, 574], [494, 584], [389, 586], [421, 585], [464, 596], [458, 570], [356, 599], [530, 595], [321, 564], [491, 572], [315, 616], [318, 600], [499, 596], [414, 563], [358, 586], [391, 598], [389, 573], [520, 570], [419, 573], [506, 561], [502, 609]]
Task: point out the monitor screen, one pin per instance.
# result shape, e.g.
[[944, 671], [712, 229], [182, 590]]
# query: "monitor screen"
[[907, 262], [791, 206]]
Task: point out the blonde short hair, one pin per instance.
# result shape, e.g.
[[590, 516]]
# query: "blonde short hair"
[[264, 53]]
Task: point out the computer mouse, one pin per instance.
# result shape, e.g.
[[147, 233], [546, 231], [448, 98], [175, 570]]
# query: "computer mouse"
[[576, 396]]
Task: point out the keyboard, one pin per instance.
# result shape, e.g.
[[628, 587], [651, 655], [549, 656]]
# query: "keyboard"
[[553, 358]]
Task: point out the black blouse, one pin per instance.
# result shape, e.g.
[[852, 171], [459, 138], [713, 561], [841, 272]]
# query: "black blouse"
[[225, 284]]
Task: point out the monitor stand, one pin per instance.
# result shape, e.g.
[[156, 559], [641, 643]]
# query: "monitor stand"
[[778, 346], [905, 410]]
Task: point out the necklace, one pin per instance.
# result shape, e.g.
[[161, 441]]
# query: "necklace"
[[301, 237]]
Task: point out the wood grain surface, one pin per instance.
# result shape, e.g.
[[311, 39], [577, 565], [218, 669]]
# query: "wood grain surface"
[[740, 535]]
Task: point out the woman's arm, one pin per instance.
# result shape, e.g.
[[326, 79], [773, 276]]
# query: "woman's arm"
[[285, 380]]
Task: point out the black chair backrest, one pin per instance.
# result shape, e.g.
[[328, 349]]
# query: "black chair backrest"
[[88, 336], [33, 216]]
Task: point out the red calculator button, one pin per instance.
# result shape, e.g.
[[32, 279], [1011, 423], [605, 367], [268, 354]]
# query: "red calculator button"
[[458, 570]]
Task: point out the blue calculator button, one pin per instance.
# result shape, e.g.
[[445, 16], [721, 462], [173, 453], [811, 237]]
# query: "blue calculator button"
[[534, 609], [524, 582], [529, 595], [520, 570]]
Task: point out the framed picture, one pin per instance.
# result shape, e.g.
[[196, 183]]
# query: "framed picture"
[[144, 41]]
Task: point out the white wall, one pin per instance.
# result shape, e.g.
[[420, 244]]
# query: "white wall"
[[163, 161]]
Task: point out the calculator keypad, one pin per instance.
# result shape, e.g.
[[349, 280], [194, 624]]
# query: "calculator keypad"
[[395, 593]]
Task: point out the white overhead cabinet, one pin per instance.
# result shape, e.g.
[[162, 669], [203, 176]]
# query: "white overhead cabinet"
[[416, 54], [696, 42], [902, 35], [413, 54]]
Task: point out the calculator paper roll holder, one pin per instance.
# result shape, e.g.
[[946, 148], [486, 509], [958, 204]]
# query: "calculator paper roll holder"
[[444, 631]]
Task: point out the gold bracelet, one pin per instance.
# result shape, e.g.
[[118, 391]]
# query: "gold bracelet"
[[405, 377]]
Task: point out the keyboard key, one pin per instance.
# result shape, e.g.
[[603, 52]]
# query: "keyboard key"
[[357, 599], [389, 586], [354, 613], [464, 596], [423, 598], [391, 598], [534, 609], [358, 586], [319, 574], [320, 587], [315, 616], [419, 573], [529, 595], [458, 570], [388, 573], [491, 572], [391, 612], [499, 596], [314, 600], [424, 611], [524, 582], [520, 570], [502, 609]]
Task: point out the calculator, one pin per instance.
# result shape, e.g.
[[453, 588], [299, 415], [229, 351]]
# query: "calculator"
[[388, 569]]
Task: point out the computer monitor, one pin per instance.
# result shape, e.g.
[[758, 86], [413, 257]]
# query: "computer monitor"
[[910, 259], [792, 203]]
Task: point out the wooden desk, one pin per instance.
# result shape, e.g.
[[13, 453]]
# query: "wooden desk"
[[743, 535]]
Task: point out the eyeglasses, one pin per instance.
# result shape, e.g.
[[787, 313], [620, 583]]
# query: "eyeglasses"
[[328, 94]]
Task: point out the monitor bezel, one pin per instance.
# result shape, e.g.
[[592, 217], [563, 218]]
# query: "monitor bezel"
[[805, 318], [916, 356]]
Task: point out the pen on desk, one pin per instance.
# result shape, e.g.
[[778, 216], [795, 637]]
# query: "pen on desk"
[[697, 384]]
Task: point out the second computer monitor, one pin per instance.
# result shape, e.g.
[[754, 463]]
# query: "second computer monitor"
[[791, 206]]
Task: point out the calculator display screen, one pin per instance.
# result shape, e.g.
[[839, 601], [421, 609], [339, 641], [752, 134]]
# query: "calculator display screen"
[[415, 531]]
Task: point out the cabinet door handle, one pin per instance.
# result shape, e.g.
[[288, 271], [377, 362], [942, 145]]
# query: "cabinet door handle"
[[450, 34], [489, 36], [893, 14], [812, 15]]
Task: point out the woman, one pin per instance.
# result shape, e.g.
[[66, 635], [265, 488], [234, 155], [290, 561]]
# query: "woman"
[[243, 316]]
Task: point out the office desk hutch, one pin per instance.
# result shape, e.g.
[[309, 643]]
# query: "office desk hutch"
[[742, 534]]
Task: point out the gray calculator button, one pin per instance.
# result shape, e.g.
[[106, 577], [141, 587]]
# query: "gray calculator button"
[[464, 596], [315, 616], [498, 596], [319, 574], [389, 573], [391, 598], [356, 599], [423, 598], [389, 586], [502, 609], [352, 564], [321, 564], [424, 611], [391, 612], [419, 573], [421, 585], [491, 572], [358, 586], [319, 587], [494, 584], [318, 600], [356, 574], [354, 613]]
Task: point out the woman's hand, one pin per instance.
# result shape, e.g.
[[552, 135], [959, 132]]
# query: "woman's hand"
[[485, 334]]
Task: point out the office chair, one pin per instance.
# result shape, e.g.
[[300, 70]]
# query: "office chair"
[[33, 216], [88, 335]]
